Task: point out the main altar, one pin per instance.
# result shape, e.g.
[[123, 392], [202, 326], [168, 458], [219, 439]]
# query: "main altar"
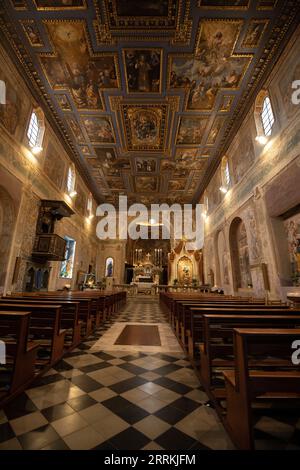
[[146, 275]]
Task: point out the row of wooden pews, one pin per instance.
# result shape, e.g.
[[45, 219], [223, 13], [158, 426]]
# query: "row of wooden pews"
[[38, 329], [242, 351]]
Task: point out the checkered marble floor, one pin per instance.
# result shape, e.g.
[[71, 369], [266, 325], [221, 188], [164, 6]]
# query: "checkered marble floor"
[[120, 400]]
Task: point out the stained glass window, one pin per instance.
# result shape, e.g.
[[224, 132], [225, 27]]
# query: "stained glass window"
[[66, 269]]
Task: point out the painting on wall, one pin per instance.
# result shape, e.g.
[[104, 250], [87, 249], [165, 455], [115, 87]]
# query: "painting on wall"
[[191, 130], [99, 129], [143, 70], [54, 166], [32, 32], [73, 67], [254, 33], [67, 266], [292, 227], [243, 156], [213, 68], [81, 200], [291, 72], [144, 127], [10, 111]]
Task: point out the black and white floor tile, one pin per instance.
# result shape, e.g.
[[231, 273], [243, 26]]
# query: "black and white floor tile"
[[124, 400]]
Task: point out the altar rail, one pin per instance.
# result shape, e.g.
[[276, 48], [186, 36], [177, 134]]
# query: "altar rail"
[[132, 289]]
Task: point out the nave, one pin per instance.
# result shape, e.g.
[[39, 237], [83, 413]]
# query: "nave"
[[128, 397]]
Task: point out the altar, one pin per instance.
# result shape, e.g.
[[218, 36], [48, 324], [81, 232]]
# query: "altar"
[[146, 276], [145, 284]]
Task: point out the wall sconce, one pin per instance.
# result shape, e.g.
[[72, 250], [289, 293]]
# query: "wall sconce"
[[223, 189], [261, 139], [73, 194]]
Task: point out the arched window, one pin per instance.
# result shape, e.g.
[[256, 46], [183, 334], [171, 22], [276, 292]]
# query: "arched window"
[[71, 180], [225, 173], [267, 116], [2, 92], [109, 267], [36, 130], [264, 117]]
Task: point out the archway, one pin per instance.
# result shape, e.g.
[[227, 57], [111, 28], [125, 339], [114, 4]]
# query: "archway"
[[239, 255]]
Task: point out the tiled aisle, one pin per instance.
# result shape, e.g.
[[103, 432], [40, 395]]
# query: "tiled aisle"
[[116, 399]]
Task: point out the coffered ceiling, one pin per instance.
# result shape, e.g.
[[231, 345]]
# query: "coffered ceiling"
[[146, 95]]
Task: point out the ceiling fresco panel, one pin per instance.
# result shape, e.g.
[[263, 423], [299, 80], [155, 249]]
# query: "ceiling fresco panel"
[[98, 128], [191, 130], [143, 70], [145, 96]]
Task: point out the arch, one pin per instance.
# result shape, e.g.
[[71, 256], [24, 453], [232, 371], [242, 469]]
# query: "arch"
[[239, 251], [109, 267], [7, 225], [222, 257]]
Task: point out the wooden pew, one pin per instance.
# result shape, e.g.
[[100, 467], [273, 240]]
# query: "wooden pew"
[[195, 332], [85, 307], [244, 385], [216, 350], [45, 329], [20, 352], [69, 316]]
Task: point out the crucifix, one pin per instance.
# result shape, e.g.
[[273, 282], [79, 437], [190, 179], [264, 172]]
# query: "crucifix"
[[148, 256]]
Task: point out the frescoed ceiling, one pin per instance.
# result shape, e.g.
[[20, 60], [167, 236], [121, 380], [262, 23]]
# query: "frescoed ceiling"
[[146, 94]]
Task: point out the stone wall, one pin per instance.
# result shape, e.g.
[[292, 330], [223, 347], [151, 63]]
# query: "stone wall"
[[264, 188], [25, 179]]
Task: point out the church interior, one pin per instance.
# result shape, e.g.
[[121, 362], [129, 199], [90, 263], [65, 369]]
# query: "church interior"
[[149, 343]]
